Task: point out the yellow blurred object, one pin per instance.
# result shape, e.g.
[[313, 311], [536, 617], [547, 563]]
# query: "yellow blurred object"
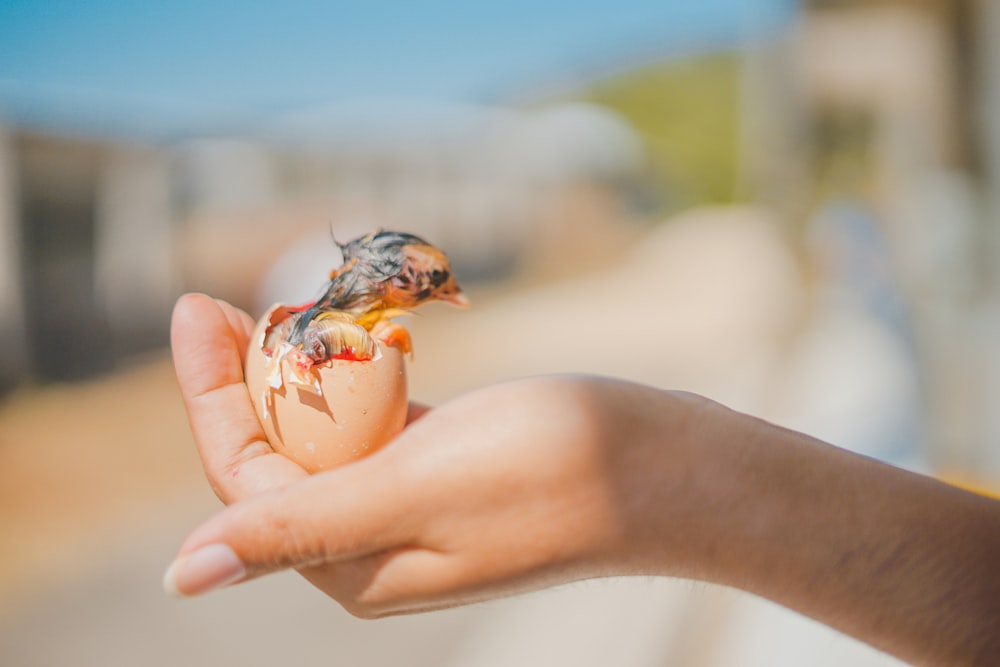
[[964, 479]]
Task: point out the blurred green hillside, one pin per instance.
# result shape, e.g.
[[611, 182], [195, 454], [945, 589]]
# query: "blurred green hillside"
[[686, 112]]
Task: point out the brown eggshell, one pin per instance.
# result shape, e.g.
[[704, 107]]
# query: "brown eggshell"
[[362, 407]]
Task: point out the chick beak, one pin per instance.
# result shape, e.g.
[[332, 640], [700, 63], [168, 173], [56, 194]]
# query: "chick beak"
[[457, 299]]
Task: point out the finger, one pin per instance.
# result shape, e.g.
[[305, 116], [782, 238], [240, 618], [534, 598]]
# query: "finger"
[[338, 516], [208, 355], [242, 326]]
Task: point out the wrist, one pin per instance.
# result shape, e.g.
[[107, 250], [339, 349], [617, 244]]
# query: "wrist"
[[729, 496], [675, 484]]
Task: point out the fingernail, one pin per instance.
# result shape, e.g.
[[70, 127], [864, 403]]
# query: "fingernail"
[[206, 569]]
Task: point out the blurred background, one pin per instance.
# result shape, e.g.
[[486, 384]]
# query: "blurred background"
[[794, 204]]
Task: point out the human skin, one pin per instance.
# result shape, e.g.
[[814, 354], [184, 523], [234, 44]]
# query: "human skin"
[[537, 482]]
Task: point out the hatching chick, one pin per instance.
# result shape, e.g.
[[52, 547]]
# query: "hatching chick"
[[384, 274], [391, 270]]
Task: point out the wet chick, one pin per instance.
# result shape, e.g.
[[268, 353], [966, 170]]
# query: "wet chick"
[[384, 274], [386, 270]]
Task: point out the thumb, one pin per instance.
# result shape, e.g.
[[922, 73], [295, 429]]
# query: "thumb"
[[334, 516]]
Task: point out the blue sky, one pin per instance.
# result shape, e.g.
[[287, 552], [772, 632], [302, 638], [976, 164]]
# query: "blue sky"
[[186, 62]]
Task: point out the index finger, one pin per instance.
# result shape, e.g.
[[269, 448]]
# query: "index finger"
[[208, 340]]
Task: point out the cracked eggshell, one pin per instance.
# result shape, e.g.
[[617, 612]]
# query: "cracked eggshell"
[[362, 407]]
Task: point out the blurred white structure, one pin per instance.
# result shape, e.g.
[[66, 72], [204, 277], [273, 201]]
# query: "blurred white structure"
[[223, 174], [136, 271]]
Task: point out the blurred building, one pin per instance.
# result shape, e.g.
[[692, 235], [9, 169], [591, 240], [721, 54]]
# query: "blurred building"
[[889, 106], [84, 230], [101, 234]]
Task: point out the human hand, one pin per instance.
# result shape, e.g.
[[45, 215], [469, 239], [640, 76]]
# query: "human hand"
[[532, 483], [209, 341], [516, 486]]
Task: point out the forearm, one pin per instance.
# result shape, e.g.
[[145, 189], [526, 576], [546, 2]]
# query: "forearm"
[[902, 561]]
